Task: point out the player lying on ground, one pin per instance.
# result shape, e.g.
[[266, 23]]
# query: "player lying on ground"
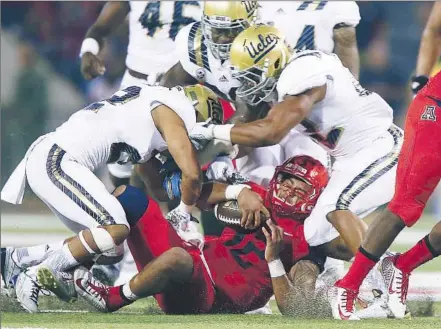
[[230, 275], [127, 127], [328, 104], [419, 172]]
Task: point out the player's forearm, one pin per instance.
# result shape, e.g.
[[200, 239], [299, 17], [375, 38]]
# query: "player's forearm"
[[347, 50], [211, 194], [284, 292], [110, 18], [430, 50], [430, 47], [148, 172]]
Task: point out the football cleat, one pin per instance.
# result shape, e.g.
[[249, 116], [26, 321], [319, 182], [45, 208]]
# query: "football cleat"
[[397, 284], [58, 282], [92, 290], [342, 302], [9, 269], [28, 289]]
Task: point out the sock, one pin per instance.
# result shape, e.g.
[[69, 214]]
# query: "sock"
[[362, 265], [61, 260], [116, 298], [31, 256], [127, 292], [419, 254]]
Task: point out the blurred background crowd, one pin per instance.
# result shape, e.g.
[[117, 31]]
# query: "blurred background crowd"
[[42, 84]]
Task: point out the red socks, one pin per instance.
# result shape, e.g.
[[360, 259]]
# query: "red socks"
[[362, 265], [419, 254], [116, 299]]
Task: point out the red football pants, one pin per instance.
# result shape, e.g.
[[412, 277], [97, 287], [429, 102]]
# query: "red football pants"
[[419, 164]]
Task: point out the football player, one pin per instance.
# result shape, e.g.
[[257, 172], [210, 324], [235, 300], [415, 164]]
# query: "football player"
[[130, 126], [153, 26], [324, 25], [230, 275], [419, 173], [313, 93]]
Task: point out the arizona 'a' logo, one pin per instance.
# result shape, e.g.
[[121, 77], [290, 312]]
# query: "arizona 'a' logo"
[[429, 113]]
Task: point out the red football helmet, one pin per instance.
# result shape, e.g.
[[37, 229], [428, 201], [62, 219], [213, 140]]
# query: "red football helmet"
[[295, 198]]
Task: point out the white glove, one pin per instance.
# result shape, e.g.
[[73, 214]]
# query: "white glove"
[[185, 225], [201, 134]]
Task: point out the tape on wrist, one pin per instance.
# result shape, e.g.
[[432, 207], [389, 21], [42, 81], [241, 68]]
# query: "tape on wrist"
[[276, 268], [90, 45], [223, 132], [185, 208], [232, 191]]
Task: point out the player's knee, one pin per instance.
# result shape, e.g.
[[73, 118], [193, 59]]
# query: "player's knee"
[[407, 210], [134, 202], [118, 232], [178, 259]]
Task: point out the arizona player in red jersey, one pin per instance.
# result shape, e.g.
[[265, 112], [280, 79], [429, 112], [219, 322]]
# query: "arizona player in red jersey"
[[231, 274], [419, 172]]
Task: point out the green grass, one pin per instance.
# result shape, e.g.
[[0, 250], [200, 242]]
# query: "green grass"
[[145, 314], [126, 321]]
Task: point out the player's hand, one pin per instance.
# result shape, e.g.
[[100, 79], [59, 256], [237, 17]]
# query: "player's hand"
[[274, 241], [91, 66], [201, 134], [252, 208]]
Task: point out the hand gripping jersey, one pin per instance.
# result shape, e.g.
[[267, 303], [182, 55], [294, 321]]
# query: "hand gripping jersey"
[[349, 117], [153, 29], [309, 24], [121, 129], [197, 59]]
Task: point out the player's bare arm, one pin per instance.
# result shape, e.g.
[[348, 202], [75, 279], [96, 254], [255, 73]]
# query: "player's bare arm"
[[173, 130], [149, 174], [250, 203], [177, 76], [430, 48], [346, 48], [110, 18], [280, 120], [293, 289]]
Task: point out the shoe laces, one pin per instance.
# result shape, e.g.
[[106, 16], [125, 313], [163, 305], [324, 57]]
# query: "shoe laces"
[[348, 298], [96, 288], [403, 285], [36, 289]]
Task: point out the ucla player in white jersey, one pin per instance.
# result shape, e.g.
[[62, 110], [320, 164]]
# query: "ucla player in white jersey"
[[324, 25], [313, 93], [130, 126], [153, 26]]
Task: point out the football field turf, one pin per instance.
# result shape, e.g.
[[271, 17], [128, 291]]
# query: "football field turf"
[[145, 314]]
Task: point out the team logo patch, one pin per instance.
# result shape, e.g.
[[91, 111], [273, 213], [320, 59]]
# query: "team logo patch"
[[200, 74], [429, 114]]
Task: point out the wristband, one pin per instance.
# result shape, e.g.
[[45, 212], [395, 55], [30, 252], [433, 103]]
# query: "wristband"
[[223, 132], [90, 45], [418, 83], [233, 191], [276, 268], [185, 208]]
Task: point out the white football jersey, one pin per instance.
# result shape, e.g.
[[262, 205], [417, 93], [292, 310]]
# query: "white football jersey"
[[309, 24], [349, 117], [196, 58], [153, 28], [120, 129]]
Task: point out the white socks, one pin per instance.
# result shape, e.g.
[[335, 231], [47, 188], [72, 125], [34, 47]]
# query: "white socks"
[[31, 256], [127, 292], [61, 260]]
